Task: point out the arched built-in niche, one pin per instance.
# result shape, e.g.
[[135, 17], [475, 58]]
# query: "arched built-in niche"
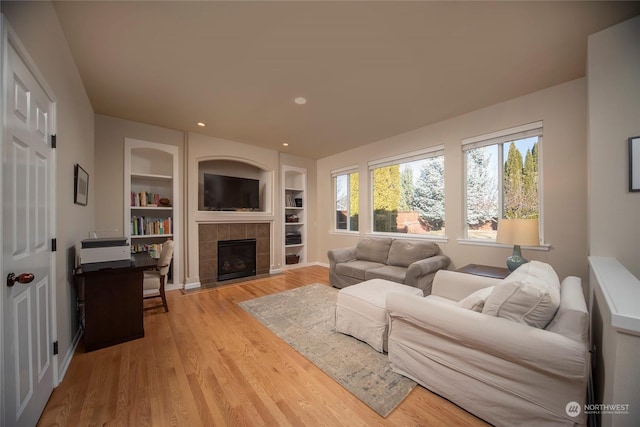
[[240, 170], [151, 161]]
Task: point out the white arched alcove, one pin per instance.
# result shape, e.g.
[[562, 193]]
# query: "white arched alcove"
[[240, 169]]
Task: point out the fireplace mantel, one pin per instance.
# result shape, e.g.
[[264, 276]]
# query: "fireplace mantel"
[[217, 217]]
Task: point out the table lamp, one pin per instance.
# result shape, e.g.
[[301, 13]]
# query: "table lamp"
[[517, 232]]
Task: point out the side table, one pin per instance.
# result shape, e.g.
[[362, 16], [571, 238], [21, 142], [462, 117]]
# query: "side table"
[[485, 270]]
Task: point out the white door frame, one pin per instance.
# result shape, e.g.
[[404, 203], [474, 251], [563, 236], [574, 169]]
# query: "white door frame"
[[8, 35]]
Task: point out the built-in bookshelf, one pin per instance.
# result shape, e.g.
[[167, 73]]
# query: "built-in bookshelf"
[[150, 206], [151, 202], [295, 227]]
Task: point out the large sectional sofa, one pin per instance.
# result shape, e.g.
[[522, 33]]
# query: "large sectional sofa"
[[408, 261]]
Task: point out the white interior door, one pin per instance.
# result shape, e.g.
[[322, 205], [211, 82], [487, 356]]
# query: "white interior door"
[[27, 165]]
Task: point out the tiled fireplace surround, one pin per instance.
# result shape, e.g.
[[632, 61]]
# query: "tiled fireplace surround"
[[208, 236]]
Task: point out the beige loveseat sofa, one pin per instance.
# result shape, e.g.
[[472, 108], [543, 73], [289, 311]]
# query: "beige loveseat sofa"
[[406, 261], [472, 342]]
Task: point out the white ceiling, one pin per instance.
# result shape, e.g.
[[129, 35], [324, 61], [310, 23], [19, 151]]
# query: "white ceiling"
[[369, 70]]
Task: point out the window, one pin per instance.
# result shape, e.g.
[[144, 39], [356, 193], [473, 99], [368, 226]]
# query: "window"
[[346, 190], [408, 193], [502, 178]]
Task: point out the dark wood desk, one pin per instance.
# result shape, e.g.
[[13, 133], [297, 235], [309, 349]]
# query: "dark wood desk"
[[485, 270], [112, 299]]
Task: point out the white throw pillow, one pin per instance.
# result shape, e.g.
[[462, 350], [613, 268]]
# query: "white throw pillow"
[[529, 295], [476, 300]]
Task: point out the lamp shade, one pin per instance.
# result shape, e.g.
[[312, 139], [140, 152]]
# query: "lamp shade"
[[518, 232]]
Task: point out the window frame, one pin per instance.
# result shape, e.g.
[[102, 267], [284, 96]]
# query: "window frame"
[[413, 156], [334, 175], [499, 138]]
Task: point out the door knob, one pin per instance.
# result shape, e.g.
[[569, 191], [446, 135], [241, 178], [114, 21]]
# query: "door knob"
[[24, 278]]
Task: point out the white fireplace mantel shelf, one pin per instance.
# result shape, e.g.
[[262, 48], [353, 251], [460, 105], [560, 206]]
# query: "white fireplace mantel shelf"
[[204, 217]]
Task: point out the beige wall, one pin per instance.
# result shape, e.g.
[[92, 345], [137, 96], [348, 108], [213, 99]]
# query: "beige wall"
[[38, 28], [109, 182], [110, 133], [613, 70], [564, 175]]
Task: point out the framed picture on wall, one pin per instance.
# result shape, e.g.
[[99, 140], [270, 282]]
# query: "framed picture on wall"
[[634, 163], [80, 186]]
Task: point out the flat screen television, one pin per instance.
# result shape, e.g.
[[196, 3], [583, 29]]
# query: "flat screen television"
[[230, 193]]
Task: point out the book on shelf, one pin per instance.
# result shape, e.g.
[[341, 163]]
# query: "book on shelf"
[[145, 199], [142, 226], [154, 249]]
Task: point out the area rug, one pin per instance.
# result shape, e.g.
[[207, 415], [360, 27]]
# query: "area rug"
[[305, 319]]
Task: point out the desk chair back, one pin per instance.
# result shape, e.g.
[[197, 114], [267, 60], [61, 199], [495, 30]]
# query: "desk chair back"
[[156, 279]]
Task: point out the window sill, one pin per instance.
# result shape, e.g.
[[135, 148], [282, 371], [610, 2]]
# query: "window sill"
[[545, 247], [345, 232]]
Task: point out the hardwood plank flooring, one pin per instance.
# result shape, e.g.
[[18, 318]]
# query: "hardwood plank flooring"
[[209, 363]]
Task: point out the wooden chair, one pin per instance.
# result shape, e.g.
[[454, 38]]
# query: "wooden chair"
[[154, 280]]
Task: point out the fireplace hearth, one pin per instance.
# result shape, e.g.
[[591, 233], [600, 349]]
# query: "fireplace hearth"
[[236, 258]]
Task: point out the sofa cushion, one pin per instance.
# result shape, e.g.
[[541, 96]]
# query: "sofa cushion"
[[403, 252], [356, 268], [476, 300], [529, 295], [373, 249], [388, 272], [572, 318]]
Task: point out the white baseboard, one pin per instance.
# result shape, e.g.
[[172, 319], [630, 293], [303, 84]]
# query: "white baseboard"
[[194, 285], [173, 286], [68, 356], [304, 264]]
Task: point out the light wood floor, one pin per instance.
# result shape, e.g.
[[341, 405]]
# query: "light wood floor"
[[208, 363]]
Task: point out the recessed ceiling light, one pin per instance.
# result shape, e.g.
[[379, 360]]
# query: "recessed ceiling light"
[[201, 124], [300, 100], [285, 144]]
